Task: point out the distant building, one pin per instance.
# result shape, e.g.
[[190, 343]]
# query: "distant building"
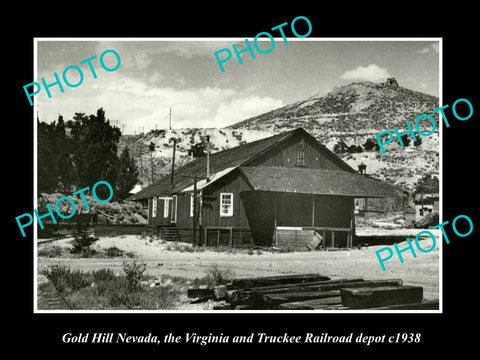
[[271, 192], [362, 168], [429, 204]]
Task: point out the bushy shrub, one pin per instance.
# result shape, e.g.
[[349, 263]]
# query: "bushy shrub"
[[116, 208], [218, 276], [133, 272], [50, 251], [113, 251], [106, 282], [103, 275], [129, 208], [119, 298], [63, 278], [83, 241]]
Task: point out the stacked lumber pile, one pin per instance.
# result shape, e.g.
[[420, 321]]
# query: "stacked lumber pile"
[[314, 292]]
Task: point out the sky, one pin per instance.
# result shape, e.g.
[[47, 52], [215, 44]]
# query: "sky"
[[156, 75]]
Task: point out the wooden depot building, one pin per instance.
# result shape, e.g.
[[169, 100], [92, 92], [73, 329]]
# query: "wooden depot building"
[[276, 191]]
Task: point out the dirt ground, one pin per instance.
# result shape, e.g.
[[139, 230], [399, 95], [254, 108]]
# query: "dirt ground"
[[352, 263]]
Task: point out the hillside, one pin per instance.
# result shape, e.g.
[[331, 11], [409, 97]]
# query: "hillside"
[[351, 113], [360, 107], [161, 157]]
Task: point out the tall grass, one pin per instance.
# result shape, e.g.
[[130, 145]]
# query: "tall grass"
[[103, 289]]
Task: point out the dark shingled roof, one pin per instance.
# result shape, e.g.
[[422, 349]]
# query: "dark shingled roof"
[[219, 161], [242, 155], [321, 182]]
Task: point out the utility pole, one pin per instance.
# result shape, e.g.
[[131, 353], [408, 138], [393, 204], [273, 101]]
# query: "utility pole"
[[194, 226], [208, 157], [170, 120], [172, 174], [151, 148]]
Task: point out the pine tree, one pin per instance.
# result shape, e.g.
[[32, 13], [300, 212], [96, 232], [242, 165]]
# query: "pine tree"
[[340, 147], [46, 181], [95, 153], [77, 153], [370, 145], [63, 166], [53, 160], [127, 175]]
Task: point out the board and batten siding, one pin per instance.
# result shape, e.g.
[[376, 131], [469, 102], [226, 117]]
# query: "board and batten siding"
[[159, 219], [285, 155], [232, 183], [183, 210]]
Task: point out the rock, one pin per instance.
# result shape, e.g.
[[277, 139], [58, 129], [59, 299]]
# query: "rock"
[[392, 82]]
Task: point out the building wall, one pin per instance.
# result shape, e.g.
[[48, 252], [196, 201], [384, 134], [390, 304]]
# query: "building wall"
[[210, 211], [267, 210], [298, 210], [159, 219], [426, 209], [285, 155], [232, 183], [183, 210], [313, 210]]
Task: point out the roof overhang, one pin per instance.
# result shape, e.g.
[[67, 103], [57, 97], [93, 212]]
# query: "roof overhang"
[[203, 183], [318, 182]]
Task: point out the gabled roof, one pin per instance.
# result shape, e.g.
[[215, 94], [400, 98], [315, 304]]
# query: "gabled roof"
[[219, 161], [227, 159], [314, 181]]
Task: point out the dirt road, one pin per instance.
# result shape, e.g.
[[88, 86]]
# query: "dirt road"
[[422, 270]]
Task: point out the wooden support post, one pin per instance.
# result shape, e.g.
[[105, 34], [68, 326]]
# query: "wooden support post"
[[333, 239], [313, 211], [205, 237], [275, 216], [353, 231], [194, 225], [324, 233], [352, 225], [230, 239], [218, 237], [196, 211]]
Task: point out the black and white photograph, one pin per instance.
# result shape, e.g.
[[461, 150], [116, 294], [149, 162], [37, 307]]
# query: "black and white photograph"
[[239, 182], [229, 192]]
